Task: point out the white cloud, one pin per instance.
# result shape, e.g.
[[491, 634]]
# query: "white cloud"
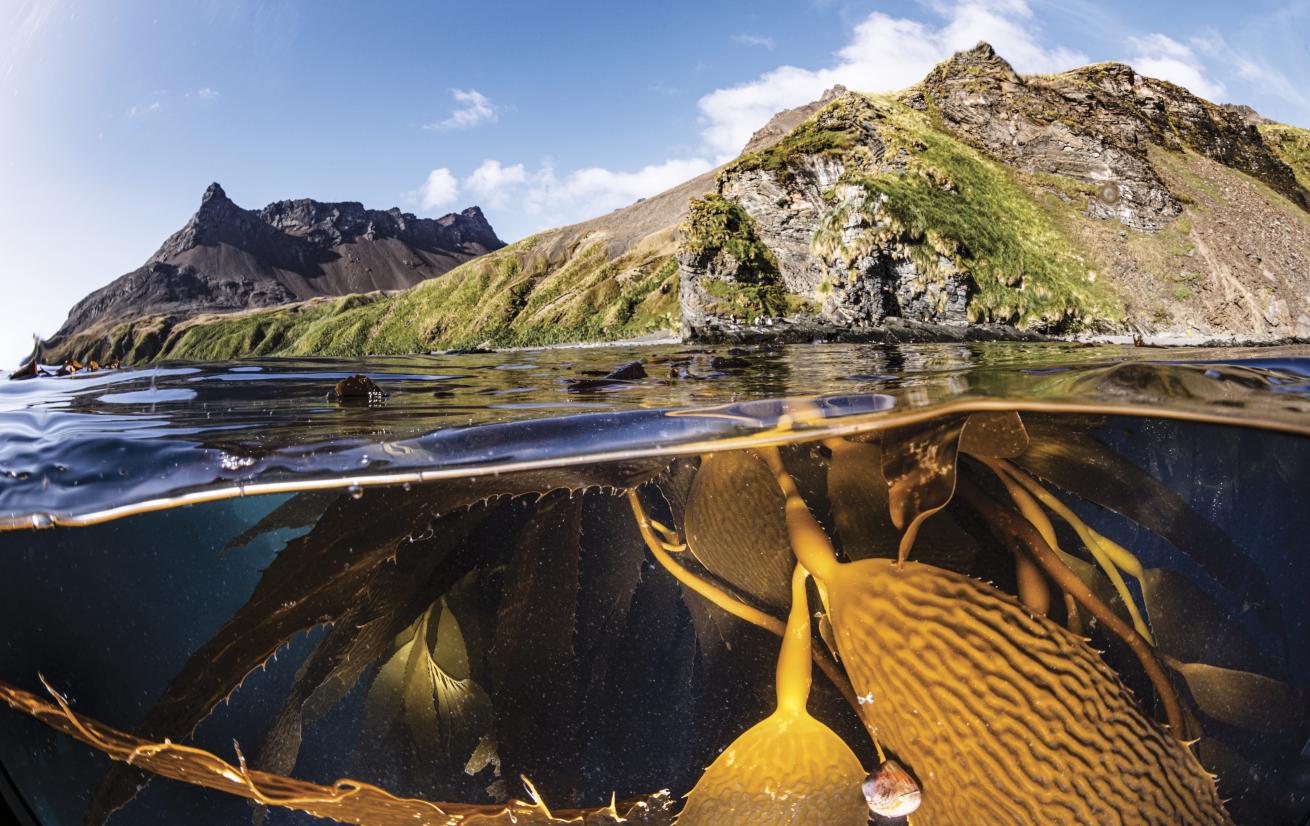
[[144, 109], [1158, 55], [439, 189], [207, 94], [753, 40], [493, 184], [884, 53], [542, 197], [476, 108]]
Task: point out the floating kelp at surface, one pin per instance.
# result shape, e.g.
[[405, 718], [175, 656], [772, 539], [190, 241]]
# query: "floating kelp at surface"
[[86, 448], [526, 624]]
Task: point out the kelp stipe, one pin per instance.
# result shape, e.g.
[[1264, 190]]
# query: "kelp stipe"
[[789, 769]]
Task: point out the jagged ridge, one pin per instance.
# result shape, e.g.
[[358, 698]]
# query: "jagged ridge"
[[227, 258]]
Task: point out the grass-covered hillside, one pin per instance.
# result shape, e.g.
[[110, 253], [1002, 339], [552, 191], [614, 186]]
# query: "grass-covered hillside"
[[921, 191], [1292, 145], [514, 297], [552, 288]]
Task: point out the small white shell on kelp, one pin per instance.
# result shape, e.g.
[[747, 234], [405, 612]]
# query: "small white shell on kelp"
[[890, 791]]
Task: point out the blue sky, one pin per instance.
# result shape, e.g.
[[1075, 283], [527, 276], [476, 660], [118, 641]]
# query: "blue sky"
[[117, 115]]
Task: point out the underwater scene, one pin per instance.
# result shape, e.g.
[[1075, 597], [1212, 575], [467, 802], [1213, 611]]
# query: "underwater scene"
[[830, 584]]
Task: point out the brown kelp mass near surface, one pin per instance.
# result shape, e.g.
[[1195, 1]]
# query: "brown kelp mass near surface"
[[87, 447], [1016, 616]]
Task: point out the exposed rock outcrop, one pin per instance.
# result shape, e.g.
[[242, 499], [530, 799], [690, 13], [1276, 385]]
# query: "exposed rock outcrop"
[[976, 197], [226, 259], [1096, 124]]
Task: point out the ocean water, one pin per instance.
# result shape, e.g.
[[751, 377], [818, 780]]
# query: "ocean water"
[[1054, 583]]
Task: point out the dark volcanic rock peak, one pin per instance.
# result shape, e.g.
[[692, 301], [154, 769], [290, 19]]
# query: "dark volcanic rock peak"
[[226, 258], [323, 225]]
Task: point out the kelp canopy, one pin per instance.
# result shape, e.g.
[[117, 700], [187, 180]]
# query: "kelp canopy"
[[957, 608]]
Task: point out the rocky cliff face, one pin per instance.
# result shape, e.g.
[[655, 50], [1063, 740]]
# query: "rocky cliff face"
[[227, 259], [1096, 125], [785, 242], [1093, 200]]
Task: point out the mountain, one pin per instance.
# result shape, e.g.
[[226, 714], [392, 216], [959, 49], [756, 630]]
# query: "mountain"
[[977, 203], [228, 259], [1095, 200]]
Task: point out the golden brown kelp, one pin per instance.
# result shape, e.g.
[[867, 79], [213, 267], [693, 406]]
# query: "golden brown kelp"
[[1078, 462], [789, 769], [729, 526], [724, 602], [1192, 626], [578, 667], [343, 572], [346, 801], [1027, 539], [1004, 716], [1220, 689], [427, 688], [393, 596], [321, 577], [918, 462], [1252, 726], [858, 493], [906, 477]]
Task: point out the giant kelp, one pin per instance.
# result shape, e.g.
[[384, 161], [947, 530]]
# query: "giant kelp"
[[607, 630]]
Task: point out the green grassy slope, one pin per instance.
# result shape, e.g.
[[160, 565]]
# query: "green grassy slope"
[[522, 295], [1292, 145], [952, 206]]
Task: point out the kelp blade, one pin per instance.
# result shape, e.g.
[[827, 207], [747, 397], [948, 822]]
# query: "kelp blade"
[[967, 685]]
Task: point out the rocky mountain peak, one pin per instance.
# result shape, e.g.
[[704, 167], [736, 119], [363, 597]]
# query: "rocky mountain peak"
[[1094, 124], [1116, 79], [213, 192], [1247, 114], [227, 258], [981, 61], [827, 217], [831, 94], [303, 225], [1093, 199]]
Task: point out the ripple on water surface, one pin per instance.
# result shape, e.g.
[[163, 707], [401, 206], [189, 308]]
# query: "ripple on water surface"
[[81, 447]]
